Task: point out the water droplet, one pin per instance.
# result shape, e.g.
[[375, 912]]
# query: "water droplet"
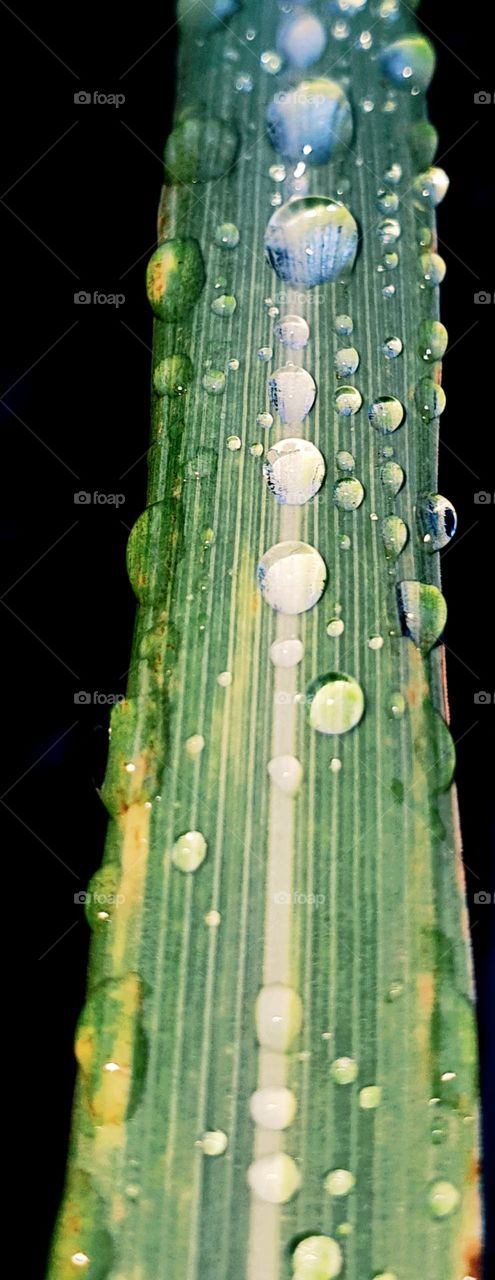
[[292, 577], [200, 148], [244, 82], [335, 627], [396, 709], [317, 1258], [227, 235], [347, 401], [391, 261], [375, 642], [394, 173], [386, 414], [345, 542], [274, 1178], [213, 919], [343, 325], [423, 139], [174, 278], [409, 60], [394, 535], [340, 30], [79, 1259], [339, 1182], [265, 354], [224, 305], [346, 362], [172, 376], [234, 443], [256, 450], [214, 1142], [348, 494], [301, 39], [336, 703], [422, 612], [396, 989], [189, 851], [433, 340], [392, 348], [224, 679], [387, 201], [214, 382], [293, 331], [344, 1070], [311, 240], [364, 40], [310, 121], [370, 1097], [431, 187], [388, 230], [286, 773], [277, 172], [233, 364], [388, 292], [345, 460], [392, 477], [430, 399], [273, 1108], [286, 653], [433, 269], [278, 1016], [195, 745], [335, 765], [292, 392], [271, 62], [443, 1199], [437, 520], [294, 471]]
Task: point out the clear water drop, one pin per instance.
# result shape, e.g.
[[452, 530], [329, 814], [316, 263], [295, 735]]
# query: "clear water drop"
[[387, 201], [344, 1070], [343, 325], [265, 420], [278, 1017], [293, 331], [375, 643], [443, 1199], [430, 399], [348, 494], [347, 401], [394, 535], [292, 577], [311, 240], [201, 148], [273, 1108], [286, 773], [224, 305], [271, 62], [433, 269], [335, 627], [214, 1142], [396, 709], [274, 1178], [370, 1097], [309, 121], [189, 851], [430, 187], [227, 235], [437, 520], [409, 61], [286, 653], [433, 340], [346, 361], [388, 230], [392, 348], [386, 414], [422, 612], [265, 354], [392, 478], [234, 443], [317, 1258], [339, 1182], [292, 392], [336, 703], [214, 382], [345, 460], [294, 470]]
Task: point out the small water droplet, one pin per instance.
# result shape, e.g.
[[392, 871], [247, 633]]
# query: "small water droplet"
[[189, 851], [335, 627], [387, 201], [80, 1259], [335, 765], [388, 230], [375, 642], [271, 62], [195, 745], [386, 414], [370, 1097], [244, 82], [430, 399], [344, 1070], [214, 382], [234, 443], [286, 653], [292, 392], [345, 460], [336, 703], [256, 449], [347, 401], [339, 1182], [392, 477], [430, 187], [433, 340], [422, 612], [292, 577], [200, 148], [214, 1142], [396, 988], [394, 535], [265, 354], [343, 325], [224, 305], [213, 919], [433, 269], [227, 235], [274, 1178], [348, 494], [264, 420], [443, 1199], [392, 348], [293, 331], [345, 542], [346, 362]]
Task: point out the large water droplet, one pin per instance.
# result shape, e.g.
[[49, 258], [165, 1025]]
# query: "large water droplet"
[[293, 331], [292, 577], [343, 325], [433, 340], [294, 471], [392, 477], [214, 382], [174, 278], [394, 535], [189, 851], [386, 414], [317, 1258], [433, 269], [274, 1178], [278, 1016], [345, 460], [336, 703], [437, 520], [348, 494], [172, 376], [200, 148], [224, 305], [311, 240], [286, 653], [423, 139], [346, 362], [286, 773], [430, 399], [409, 61], [273, 1108], [301, 38], [347, 401], [292, 392], [308, 122], [422, 611], [431, 187]]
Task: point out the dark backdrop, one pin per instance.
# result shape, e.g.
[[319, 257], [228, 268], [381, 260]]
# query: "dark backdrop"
[[78, 213]]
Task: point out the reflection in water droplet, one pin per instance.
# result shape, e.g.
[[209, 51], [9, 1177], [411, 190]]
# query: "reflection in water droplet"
[[437, 520], [286, 773], [278, 1016], [410, 60], [443, 1199], [292, 392], [264, 420], [422, 612], [214, 1142], [388, 230], [345, 542], [292, 577], [344, 1070], [271, 62], [431, 187], [394, 535], [317, 1258], [392, 348], [336, 703], [339, 1182], [227, 235], [201, 148], [311, 240], [79, 1259], [286, 653], [274, 1178], [345, 460], [387, 201], [370, 1097], [348, 494], [343, 325], [309, 121], [433, 340], [375, 642], [346, 362], [189, 851], [195, 745], [273, 1108], [386, 414], [388, 292], [172, 376], [224, 305], [301, 39], [347, 400], [265, 354], [392, 477], [430, 399], [293, 331], [294, 470], [214, 382], [433, 269], [234, 443]]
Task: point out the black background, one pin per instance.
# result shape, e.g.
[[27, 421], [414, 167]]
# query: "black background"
[[68, 618]]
